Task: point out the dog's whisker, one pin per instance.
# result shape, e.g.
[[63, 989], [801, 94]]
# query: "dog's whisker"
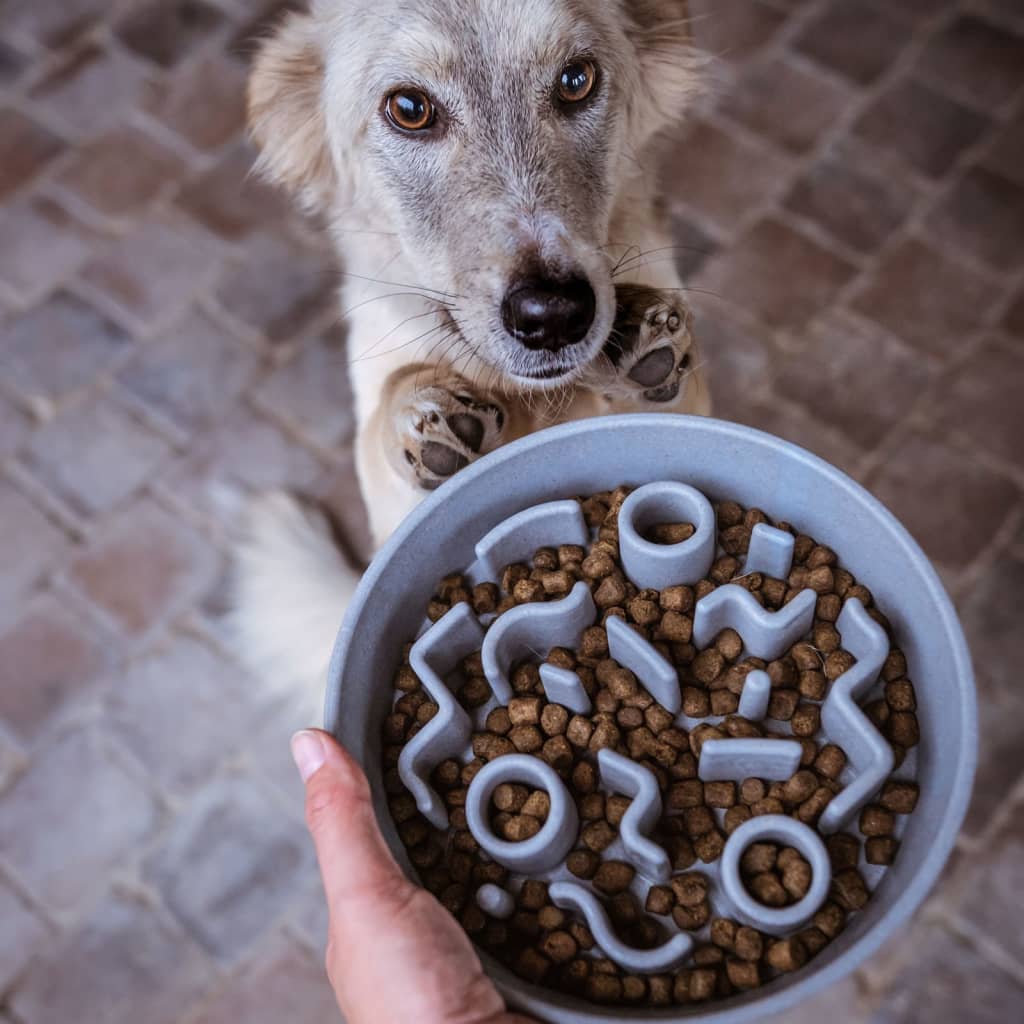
[[399, 284]]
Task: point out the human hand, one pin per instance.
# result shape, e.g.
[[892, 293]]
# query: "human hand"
[[394, 954]]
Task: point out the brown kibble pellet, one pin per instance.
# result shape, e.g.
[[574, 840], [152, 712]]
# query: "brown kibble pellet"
[[752, 790], [533, 895], [735, 816], [527, 739], [660, 900], [510, 797], [698, 821], [829, 607], [812, 684], [767, 888], [797, 789], [782, 704], [748, 944], [685, 794], [675, 627], [634, 988], [786, 955], [696, 702], [902, 728], [900, 696], [597, 836], [813, 940], [729, 644], [584, 777], [485, 598], [876, 820], [811, 809], [498, 722], [605, 735], [899, 797], [557, 751], [707, 665], [783, 673], [550, 918], [723, 933], [720, 794], [579, 730], [527, 591], [611, 592], [690, 889], [616, 806], [830, 920], [603, 988], [881, 849], [758, 857], [826, 639], [681, 852], [837, 664], [677, 599], [742, 974], [849, 890], [724, 703], [488, 746], [594, 643], [532, 965], [583, 863], [613, 877], [830, 762], [692, 918], [843, 851], [629, 718], [796, 879], [559, 947], [524, 710], [591, 807], [520, 828], [643, 611], [554, 719], [709, 846], [806, 720], [538, 805], [701, 733]]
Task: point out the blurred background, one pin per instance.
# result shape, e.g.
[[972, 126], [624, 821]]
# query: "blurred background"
[[849, 199]]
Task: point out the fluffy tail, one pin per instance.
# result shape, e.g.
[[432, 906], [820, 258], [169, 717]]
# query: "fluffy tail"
[[290, 589]]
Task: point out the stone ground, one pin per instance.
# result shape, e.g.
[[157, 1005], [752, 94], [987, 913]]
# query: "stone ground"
[[850, 203]]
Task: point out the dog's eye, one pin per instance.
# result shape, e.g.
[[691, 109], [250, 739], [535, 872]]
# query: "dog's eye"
[[410, 110], [577, 81]]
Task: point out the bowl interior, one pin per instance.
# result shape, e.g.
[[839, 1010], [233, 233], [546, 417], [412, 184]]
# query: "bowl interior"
[[724, 461]]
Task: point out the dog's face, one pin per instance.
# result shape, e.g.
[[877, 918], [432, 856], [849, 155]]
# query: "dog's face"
[[495, 137]]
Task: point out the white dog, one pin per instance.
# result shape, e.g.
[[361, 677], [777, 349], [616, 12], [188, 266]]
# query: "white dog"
[[487, 171]]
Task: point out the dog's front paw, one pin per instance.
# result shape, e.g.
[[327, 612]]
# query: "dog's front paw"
[[442, 429], [650, 349]]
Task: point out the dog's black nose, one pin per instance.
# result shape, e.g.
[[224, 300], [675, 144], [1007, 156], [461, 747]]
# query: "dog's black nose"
[[549, 315]]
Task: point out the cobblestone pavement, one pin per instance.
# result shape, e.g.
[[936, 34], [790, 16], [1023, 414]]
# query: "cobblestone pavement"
[[849, 200]]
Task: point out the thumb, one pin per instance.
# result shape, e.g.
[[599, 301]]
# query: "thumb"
[[394, 953]]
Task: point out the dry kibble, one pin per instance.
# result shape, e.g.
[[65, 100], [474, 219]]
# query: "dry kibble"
[[752, 790], [735, 816], [767, 888], [902, 728], [748, 944], [787, 955], [806, 720], [782, 704], [520, 828], [524, 710], [538, 805], [510, 797], [720, 794], [811, 809], [557, 751], [899, 797], [527, 739], [488, 746], [690, 889], [583, 863], [830, 761], [692, 918], [698, 821], [797, 789], [812, 684], [597, 836], [881, 849], [876, 820], [696, 702], [709, 846], [616, 806], [613, 876], [708, 665], [830, 920], [849, 890], [742, 974], [838, 663], [660, 900], [843, 851]]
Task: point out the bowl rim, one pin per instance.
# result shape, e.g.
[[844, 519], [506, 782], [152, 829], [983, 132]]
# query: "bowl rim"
[[536, 1000]]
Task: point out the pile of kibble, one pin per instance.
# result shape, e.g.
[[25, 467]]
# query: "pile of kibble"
[[552, 947]]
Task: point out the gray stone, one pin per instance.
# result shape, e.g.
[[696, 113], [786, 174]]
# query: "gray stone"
[[21, 937]]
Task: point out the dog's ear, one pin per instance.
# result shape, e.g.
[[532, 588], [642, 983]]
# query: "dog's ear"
[[286, 116]]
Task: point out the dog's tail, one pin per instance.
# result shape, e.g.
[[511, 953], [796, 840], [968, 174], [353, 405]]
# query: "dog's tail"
[[290, 587]]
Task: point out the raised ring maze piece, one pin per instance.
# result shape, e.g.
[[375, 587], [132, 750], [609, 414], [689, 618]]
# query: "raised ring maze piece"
[[845, 724], [770, 552], [663, 565], [495, 901], [765, 634], [533, 629], [631, 779], [755, 758], [563, 686], [437, 653], [573, 896], [549, 846], [657, 675]]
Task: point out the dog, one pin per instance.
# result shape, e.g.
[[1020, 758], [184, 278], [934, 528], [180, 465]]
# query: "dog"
[[487, 171]]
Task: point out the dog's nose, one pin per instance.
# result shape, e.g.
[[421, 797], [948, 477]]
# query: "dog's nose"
[[549, 315]]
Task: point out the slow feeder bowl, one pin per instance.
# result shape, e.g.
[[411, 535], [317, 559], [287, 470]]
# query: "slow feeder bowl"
[[502, 509]]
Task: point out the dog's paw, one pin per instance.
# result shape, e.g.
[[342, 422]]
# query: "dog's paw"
[[649, 351], [443, 429]]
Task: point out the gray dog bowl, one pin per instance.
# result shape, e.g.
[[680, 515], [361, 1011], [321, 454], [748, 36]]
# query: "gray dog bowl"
[[507, 505]]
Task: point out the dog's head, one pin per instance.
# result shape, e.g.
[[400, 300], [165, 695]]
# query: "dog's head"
[[494, 137]]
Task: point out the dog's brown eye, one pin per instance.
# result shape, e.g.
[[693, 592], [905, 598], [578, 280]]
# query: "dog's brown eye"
[[410, 110], [577, 81]]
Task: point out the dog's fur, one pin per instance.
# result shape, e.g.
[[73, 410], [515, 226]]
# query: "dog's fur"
[[433, 231]]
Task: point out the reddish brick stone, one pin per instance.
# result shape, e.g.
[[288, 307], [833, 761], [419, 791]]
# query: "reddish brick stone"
[[193, 373], [164, 32], [54, 24], [1014, 320], [843, 194], [205, 106], [285, 983], [738, 362], [43, 245], [51, 658], [949, 501], [721, 176], [859, 380], [928, 130], [925, 298], [76, 799], [90, 89], [280, 288], [27, 148], [1006, 157], [124, 964], [59, 347], [102, 176], [121, 455], [143, 567], [30, 545], [733, 29], [230, 866], [692, 245], [777, 273], [983, 215], [156, 269], [787, 104], [854, 38], [978, 58], [12, 63], [23, 935]]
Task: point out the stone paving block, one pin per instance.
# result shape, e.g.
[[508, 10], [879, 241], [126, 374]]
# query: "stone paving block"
[[230, 866], [692, 245], [947, 982], [181, 689], [992, 623], [144, 566], [951, 503], [978, 58], [737, 361], [163, 32], [280, 288], [839, 1004], [722, 176], [339, 494], [854, 38], [23, 935], [30, 545], [313, 391], [925, 298], [733, 29], [74, 815], [230, 201], [1006, 156], [51, 659], [12, 760], [983, 216], [927, 129], [120, 457], [12, 63], [155, 269], [59, 347], [205, 104], [192, 373], [777, 273], [90, 89], [27, 147], [1014, 319], [43, 245], [55, 24], [788, 104], [123, 965], [856, 378], [100, 175], [846, 195], [284, 984], [14, 427]]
